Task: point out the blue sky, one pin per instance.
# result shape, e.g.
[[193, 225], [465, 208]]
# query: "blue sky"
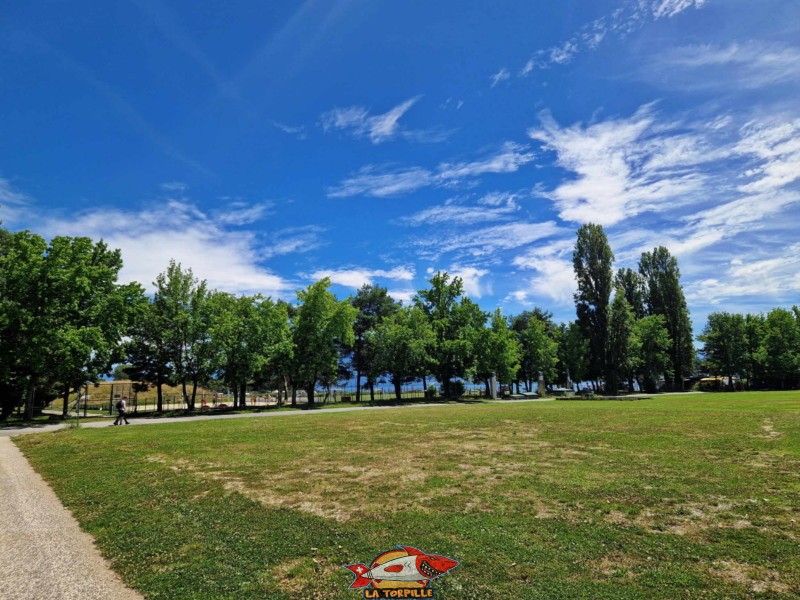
[[268, 144]]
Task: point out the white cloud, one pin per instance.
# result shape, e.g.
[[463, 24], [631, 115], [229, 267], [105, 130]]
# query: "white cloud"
[[777, 277], [631, 16], [471, 278], [358, 121], [13, 202], [150, 238], [492, 207], [293, 240], [405, 296], [241, 213], [624, 167], [501, 75], [554, 279], [487, 241], [298, 131], [374, 181], [751, 64], [356, 277]]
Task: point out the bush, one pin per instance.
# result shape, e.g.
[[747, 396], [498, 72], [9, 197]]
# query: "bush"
[[457, 388], [431, 391]]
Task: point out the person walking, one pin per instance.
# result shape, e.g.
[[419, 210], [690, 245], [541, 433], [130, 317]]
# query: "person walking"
[[121, 406]]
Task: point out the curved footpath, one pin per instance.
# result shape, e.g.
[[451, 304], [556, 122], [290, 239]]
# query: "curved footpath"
[[44, 554]]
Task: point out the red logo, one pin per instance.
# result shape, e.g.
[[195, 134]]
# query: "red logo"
[[405, 572]]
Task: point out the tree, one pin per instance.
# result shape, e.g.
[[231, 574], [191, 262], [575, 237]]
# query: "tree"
[[725, 344], [519, 325], [592, 260], [620, 353], [497, 352], [573, 350], [400, 346], [62, 315], [148, 349], [539, 351], [374, 305], [322, 325], [781, 348], [653, 345], [754, 336], [633, 287], [456, 322], [664, 296]]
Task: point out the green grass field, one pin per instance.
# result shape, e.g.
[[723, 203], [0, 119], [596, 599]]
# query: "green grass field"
[[693, 496]]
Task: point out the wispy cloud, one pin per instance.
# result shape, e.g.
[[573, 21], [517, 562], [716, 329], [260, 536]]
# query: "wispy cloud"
[[150, 237], [13, 202], [501, 75], [487, 242], [751, 64], [293, 240], [631, 16], [382, 182], [358, 121], [242, 213], [553, 279], [355, 277], [298, 131], [491, 207], [624, 167]]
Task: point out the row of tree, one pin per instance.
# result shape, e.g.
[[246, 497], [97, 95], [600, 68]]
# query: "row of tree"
[[65, 320], [759, 350]]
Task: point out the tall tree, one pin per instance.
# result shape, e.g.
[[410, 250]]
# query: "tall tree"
[[400, 346], [456, 322], [320, 328], [754, 363], [592, 260], [664, 296], [633, 287], [497, 352], [620, 352], [725, 344], [148, 350], [374, 304]]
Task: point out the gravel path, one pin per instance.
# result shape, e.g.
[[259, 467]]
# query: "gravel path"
[[44, 554]]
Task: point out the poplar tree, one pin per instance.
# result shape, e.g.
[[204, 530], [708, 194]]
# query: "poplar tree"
[[664, 296], [592, 260]]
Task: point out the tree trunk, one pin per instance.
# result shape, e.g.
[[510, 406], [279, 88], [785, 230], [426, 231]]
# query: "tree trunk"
[[65, 408], [425, 383], [243, 395], [488, 385], [371, 391], [294, 396], [398, 391], [185, 395], [194, 394], [310, 395], [358, 386], [160, 395]]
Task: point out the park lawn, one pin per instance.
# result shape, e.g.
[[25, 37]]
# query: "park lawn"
[[673, 496]]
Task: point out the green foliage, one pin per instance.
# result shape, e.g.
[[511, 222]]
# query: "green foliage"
[[321, 327], [633, 286], [652, 346], [573, 353], [497, 351], [780, 350], [401, 347], [374, 305], [62, 314], [592, 260], [456, 322], [539, 351], [664, 296], [725, 344], [621, 350]]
